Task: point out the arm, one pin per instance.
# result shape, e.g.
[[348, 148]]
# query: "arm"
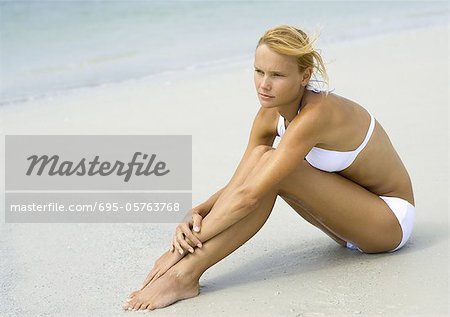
[[204, 208], [238, 205], [290, 153], [168, 259], [194, 217], [306, 127], [263, 132]]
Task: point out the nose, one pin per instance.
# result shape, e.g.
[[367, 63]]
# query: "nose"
[[265, 83]]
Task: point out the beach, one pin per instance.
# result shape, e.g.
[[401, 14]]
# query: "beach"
[[289, 268]]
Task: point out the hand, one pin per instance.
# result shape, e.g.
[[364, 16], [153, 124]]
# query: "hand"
[[184, 238], [165, 262]]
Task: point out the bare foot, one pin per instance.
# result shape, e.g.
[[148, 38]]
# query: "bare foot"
[[165, 262], [169, 288]]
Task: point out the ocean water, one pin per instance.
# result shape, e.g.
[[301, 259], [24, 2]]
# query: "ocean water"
[[50, 46]]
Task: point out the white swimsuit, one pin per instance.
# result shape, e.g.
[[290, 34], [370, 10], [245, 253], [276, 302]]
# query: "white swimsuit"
[[328, 160], [335, 161]]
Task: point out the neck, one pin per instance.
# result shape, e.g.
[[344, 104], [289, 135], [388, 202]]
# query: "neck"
[[289, 111]]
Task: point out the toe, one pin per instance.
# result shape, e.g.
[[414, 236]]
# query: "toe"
[[142, 306], [130, 300], [129, 304], [137, 305], [133, 294]]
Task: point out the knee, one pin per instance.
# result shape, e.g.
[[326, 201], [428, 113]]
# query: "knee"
[[258, 157]]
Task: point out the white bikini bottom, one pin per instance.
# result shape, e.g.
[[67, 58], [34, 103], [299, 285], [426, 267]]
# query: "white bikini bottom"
[[405, 213]]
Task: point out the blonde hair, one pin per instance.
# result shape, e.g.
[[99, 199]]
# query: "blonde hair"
[[288, 40]]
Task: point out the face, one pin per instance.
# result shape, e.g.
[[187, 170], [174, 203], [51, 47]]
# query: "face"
[[278, 81]]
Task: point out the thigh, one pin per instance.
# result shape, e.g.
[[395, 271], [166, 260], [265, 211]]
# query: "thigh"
[[303, 212], [345, 208]]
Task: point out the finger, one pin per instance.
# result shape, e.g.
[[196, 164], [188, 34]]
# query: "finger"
[[177, 246], [197, 222], [182, 231], [192, 238], [181, 240], [189, 237]]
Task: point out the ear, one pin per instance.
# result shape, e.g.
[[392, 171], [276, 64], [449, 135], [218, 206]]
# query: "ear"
[[306, 76]]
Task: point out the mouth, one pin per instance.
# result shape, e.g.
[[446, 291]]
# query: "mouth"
[[266, 96]]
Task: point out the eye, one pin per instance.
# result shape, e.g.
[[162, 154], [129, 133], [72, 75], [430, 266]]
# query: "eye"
[[259, 71]]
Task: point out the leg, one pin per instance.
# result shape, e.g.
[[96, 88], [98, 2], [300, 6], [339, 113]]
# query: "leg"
[[345, 209], [302, 211], [181, 281], [365, 219]]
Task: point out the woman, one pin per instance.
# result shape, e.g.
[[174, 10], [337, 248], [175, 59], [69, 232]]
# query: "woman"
[[335, 166]]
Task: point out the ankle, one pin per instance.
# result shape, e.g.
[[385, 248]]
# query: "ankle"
[[184, 275]]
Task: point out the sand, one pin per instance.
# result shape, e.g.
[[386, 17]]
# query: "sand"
[[289, 268]]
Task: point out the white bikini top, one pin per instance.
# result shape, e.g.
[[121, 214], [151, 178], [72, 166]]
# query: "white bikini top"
[[328, 160]]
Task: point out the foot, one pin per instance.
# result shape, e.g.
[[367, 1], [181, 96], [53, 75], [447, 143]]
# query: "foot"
[[165, 262], [169, 288]]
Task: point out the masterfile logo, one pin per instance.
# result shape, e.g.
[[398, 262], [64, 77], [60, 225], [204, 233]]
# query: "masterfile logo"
[[98, 162], [100, 178], [68, 168]]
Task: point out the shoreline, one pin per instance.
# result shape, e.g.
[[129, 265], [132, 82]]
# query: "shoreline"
[[210, 66]]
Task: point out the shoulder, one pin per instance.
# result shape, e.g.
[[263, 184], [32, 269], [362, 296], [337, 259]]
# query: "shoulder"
[[267, 114], [317, 112], [267, 120], [313, 121]]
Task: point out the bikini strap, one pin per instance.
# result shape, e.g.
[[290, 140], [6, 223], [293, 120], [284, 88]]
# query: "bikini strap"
[[368, 135]]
